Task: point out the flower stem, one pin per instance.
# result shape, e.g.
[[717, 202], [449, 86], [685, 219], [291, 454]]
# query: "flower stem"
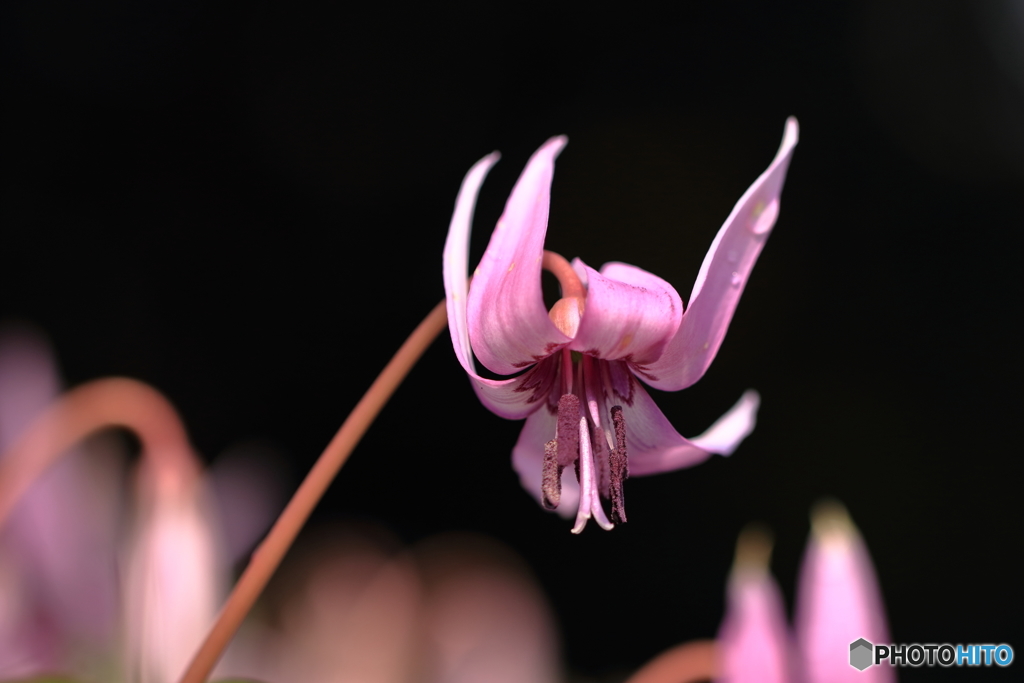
[[279, 539], [687, 663], [557, 265], [110, 402]]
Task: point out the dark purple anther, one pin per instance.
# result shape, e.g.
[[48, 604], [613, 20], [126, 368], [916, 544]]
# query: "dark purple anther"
[[568, 430], [551, 476], [619, 467]]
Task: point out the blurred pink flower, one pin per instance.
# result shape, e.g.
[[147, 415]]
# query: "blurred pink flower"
[[456, 609], [66, 602], [838, 602], [58, 588], [585, 357]]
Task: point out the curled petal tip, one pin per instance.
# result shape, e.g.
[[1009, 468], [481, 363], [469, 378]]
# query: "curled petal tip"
[[726, 434], [556, 143], [723, 275], [485, 163], [791, 136]]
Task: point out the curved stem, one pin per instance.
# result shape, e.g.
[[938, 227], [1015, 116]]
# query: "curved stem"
[[102, 403], [557, 265], [279, 539], [687, 663]]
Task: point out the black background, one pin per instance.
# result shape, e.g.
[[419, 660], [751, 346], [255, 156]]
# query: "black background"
[[245, 206]]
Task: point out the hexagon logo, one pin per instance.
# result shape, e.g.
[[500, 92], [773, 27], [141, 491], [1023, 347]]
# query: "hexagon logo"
[[860, 654]]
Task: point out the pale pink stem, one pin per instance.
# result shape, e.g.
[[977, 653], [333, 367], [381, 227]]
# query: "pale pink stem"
[[687, 663], [102, 403], [279, 539], [557, 265]]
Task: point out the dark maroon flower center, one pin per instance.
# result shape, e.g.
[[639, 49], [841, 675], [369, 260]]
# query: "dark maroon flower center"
[[585, 390]]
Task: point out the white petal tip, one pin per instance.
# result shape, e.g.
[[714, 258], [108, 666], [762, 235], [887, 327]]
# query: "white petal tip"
[[553, 146], [481, 168], [790, 136], [750, 400], [726, 434]]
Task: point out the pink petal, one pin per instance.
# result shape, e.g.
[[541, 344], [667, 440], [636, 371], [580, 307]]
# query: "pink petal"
[[728, 431], [630, 314], [510, 398], [249, 491], [753, 643], [62, 535], [723, 276], [655, 446], [173, 581], [508, 323], [838, 602], [456, 259], [520, 396]]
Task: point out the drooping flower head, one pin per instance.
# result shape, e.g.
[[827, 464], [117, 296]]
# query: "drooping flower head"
[[589, 422]]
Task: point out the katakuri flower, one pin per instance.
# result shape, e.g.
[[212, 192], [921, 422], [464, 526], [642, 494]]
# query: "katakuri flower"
[[581, 397], [838, 603]]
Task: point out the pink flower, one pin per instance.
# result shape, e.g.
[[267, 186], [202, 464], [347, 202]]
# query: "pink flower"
[[455, 609], [66, 603], [580, 395], [838, 602]]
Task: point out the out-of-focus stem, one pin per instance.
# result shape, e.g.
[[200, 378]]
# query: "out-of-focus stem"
[[687, 663], [102, 403], [279, 539]]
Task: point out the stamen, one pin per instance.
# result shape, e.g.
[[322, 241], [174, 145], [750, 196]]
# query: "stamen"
[[619, 467], [602, 456], [595, 402], [567, 433], [551, 476]]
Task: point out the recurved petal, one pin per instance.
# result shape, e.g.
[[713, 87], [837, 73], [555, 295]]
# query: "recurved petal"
[[838, 601], [512, 398], [508, 323], [516, 398], [729, 430], [528, 461], [722, 277], [456, 259], [655, 446], [630, 314]]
